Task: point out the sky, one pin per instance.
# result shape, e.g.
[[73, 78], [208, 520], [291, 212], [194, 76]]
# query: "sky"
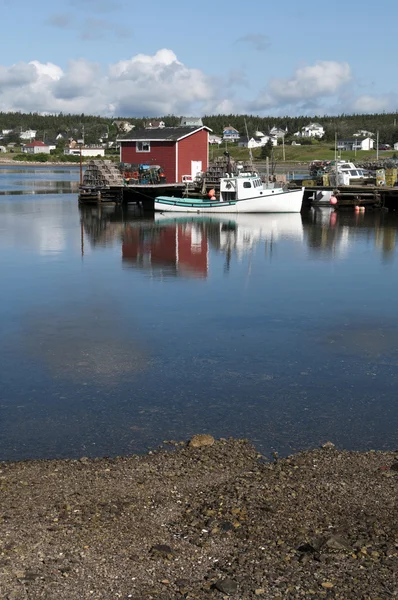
[[123, 58]]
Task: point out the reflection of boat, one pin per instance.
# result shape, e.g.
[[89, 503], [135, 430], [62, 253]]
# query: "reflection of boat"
[[243, 193], [260, 226], [239, 233]]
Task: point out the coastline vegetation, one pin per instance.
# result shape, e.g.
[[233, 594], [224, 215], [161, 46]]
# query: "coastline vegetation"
[[94, 129]]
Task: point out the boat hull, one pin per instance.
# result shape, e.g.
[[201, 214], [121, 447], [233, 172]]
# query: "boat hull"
[[282, 202]]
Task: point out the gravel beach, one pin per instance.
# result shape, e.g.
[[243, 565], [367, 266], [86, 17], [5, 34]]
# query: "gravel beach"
[[203, 519]]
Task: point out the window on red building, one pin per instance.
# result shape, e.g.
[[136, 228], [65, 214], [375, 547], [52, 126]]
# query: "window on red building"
[[143, 146]]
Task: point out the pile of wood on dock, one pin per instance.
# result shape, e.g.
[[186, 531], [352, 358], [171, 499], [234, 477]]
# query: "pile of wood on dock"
[[101, 174]]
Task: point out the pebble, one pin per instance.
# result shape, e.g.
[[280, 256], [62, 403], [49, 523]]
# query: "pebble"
[[201, 440], [226, 586]]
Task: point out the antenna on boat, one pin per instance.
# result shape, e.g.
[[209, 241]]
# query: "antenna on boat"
[[250, 150]]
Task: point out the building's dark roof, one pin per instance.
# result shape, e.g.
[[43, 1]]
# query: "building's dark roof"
[[166, 134], [352, 140], [35, 143]]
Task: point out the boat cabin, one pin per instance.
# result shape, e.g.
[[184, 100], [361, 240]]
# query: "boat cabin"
[[240, 187], [347, 173]]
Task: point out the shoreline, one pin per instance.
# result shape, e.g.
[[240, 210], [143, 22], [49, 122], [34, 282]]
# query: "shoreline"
[[31, 163], [206, 519]]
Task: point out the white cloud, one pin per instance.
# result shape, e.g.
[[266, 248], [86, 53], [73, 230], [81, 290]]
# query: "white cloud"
[[142, 85], [325, 78], [159, 84], [375, 104], [308, 83]]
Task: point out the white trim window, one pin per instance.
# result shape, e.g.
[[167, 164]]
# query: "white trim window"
[[143, 146]]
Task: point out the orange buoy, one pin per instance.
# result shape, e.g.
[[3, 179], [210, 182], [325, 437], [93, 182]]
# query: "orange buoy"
[[333, 200], [211, 194]]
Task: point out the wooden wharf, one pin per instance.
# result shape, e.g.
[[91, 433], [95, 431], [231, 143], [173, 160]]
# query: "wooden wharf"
[[104, 183], [348, 196]]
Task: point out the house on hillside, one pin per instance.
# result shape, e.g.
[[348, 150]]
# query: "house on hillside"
[[29, 134], [215, 139], [52, 144], [257, 141], [155, 125], [36, 147], [77, 149], [230, 134], [179, 151], [250, 142], [191, 122], [356, 143], [363, 133], [314, 130], [123, 126], [277, 132]]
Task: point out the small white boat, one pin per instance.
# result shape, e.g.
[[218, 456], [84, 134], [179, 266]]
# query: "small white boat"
[[243, 193]]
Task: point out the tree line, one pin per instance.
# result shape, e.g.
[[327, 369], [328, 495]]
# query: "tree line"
[[97, 127]]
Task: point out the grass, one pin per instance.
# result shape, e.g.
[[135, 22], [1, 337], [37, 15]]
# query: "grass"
[[301, 154]]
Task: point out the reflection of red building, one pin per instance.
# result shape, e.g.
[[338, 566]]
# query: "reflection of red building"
[[173, 249]]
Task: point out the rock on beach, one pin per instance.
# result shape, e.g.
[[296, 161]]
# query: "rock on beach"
[[209, 524]]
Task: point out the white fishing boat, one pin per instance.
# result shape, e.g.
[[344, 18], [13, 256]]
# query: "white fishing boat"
[[242, 193], [341, 173]]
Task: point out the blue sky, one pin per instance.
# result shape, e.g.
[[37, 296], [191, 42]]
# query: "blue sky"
[[128, 58]]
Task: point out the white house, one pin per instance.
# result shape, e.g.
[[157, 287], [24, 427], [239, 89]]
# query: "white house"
[[191, 122], [314, 130], [396, 146], [85, 151], [6, 131], [37, 147], [123, 126], [257, 141], [214, 139], [29, 134], [230, 134], [363, 133], [355, 144], [277, 132], [250, 142], [155, 125]]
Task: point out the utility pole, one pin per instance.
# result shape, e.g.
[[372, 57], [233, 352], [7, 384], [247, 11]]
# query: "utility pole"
[[81, 166], [335, 155], [377, 145], [283, 148]]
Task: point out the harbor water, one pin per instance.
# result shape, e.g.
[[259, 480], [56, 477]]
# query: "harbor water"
[[119, 332]]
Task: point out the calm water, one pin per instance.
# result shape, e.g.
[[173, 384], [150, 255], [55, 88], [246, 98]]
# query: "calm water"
[[119, 333]]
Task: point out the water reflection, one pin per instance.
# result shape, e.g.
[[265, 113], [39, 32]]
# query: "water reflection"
[[179, 246], [120, 331], [38, 180], [329, 233]]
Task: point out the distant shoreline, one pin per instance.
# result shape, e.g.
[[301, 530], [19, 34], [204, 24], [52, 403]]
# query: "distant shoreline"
[[19, 163]]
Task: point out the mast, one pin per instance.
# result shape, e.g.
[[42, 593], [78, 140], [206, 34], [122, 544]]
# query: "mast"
[[250, 150]]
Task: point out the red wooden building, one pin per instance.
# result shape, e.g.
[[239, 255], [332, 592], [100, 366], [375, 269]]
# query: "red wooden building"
[[180, 151]]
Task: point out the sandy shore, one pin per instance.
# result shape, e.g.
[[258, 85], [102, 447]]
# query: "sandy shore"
[[213, 521]]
